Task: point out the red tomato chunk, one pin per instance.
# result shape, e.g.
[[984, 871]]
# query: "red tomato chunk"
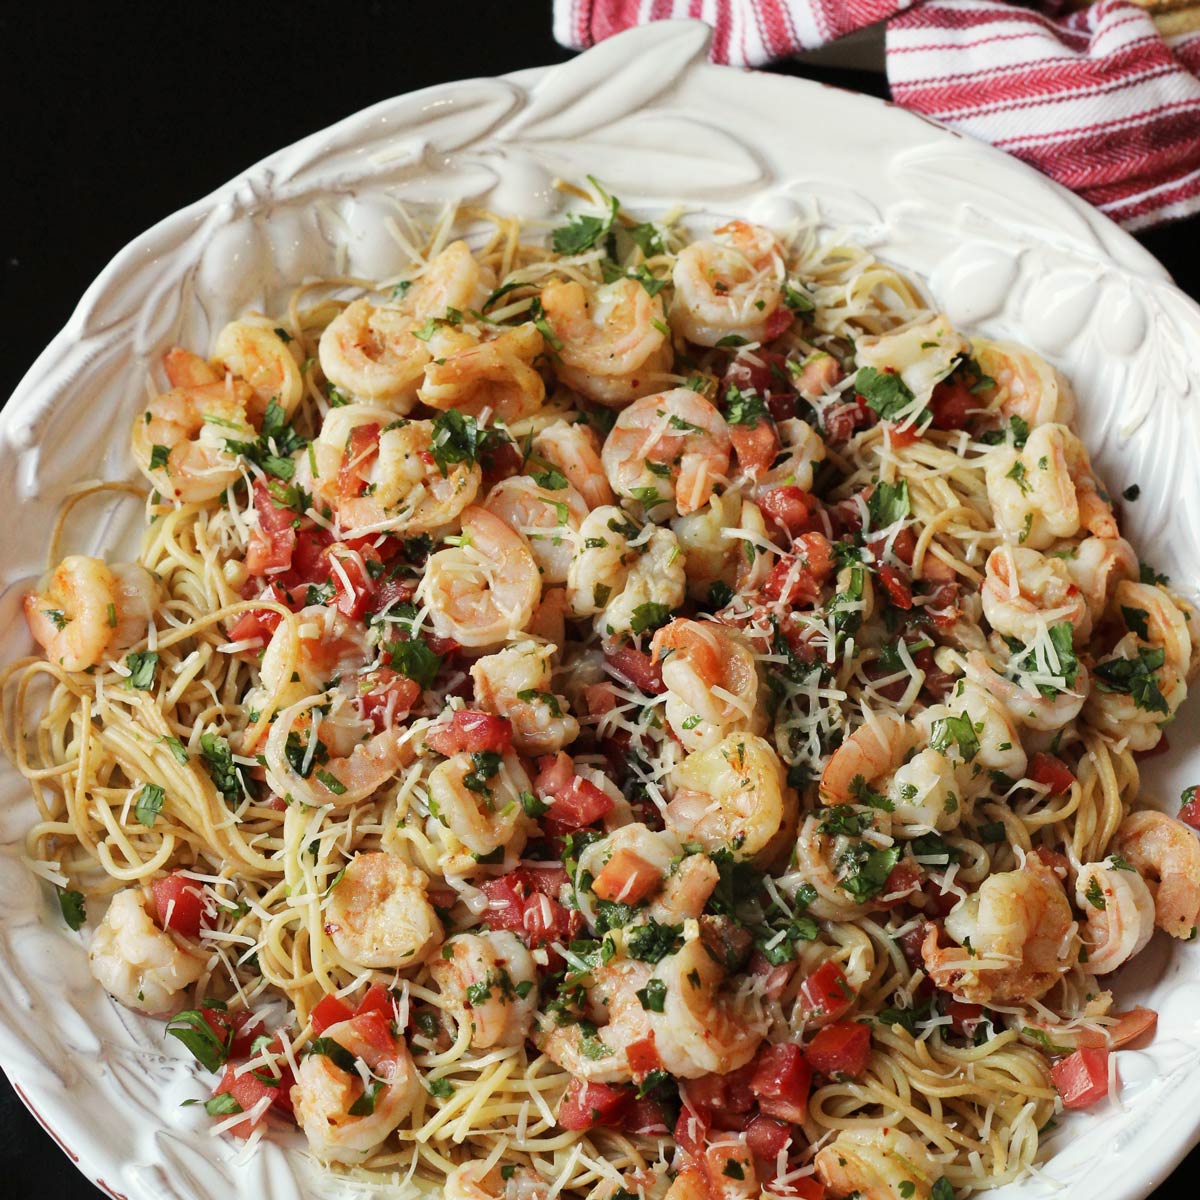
[[1082, 1077], [589, 1104], [826, 994], [840, 1049], [781, 1082], [1051, 772], [179, 904], [471, 732]]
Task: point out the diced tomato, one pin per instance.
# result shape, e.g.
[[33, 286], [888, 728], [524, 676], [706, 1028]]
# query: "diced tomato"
[[765, 1138], [937, 682], [506, 904], [775, 977], [841, 1048], [375, 1028], [643, 1057], [1082, 1078], [589, 1104], [807, 1188], [636, 668], [272, 517], [580, 803], [471, 732], [261, 622], [903, 879], [1130, 1026], [899, 590], [376, 1000], [238, 1030], [910, 946], [645, 1115], [798, 578], [549, 880], [943, 604], [718, 1098], [938, 903], [765, 372], [248, 1090], [826, 994], [310, 562], [1050, 772], [755, 445], [626, 877], [329, 1010], [179, 903], [777, 322], [781, 1082], [843, 421], [555, 771], [525, 902], [361, 449], [902, 435], [952, 404], [270, 551], [964, 1017], [1189, 813], [792, 509], [390, 699], [691, 1128], [353, 588], [499, 460]]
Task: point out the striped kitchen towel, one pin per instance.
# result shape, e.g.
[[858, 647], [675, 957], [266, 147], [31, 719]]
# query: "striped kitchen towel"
[[1097, 99]]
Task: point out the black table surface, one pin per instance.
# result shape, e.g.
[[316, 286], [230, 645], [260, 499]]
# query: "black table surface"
[[116, 115]]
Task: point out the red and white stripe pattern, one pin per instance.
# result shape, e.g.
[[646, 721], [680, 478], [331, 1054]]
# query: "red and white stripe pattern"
[[1096, 99]]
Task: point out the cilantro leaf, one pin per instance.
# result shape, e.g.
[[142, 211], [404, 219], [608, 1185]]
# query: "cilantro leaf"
[[957, 731], [888, 503], [149, 804], [884, 392]]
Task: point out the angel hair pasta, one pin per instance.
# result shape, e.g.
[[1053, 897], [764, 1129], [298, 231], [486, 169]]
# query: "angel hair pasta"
[[616, 712]]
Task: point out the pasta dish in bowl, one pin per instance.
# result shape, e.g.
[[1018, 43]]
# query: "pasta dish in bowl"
[[628, 702]]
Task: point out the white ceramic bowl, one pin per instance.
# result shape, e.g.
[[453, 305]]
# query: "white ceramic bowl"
[[1001, 250]]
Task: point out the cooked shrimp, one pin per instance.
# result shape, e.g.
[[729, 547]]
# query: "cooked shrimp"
[[869, 753], [1135, 701], [548, 518], [716, 553], [671, 448], [373, 352], [1016, 937], [922, 352], [1165, 853], [516, 682], [144, 967], [1026, 386], [180, 442], [1024, 592], [380, 475], [728, 1172], [490, 979], [1046, 491], [1097, 565], [802, 449], [620, 569], [612, 347], [478, 798], [685, 891], [485, 588], [875, 1164], [496, 377], [86, 609], [325, 1094], [728, 287], [730, 797], [470, 1181], [999, 740], [328, 646], [378, 914], [925, 793], [712, 682], [620, 1020], [708, 1024], [340, 779], [575, 450], [1119, 914], [1026, 703], [252, 350]]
